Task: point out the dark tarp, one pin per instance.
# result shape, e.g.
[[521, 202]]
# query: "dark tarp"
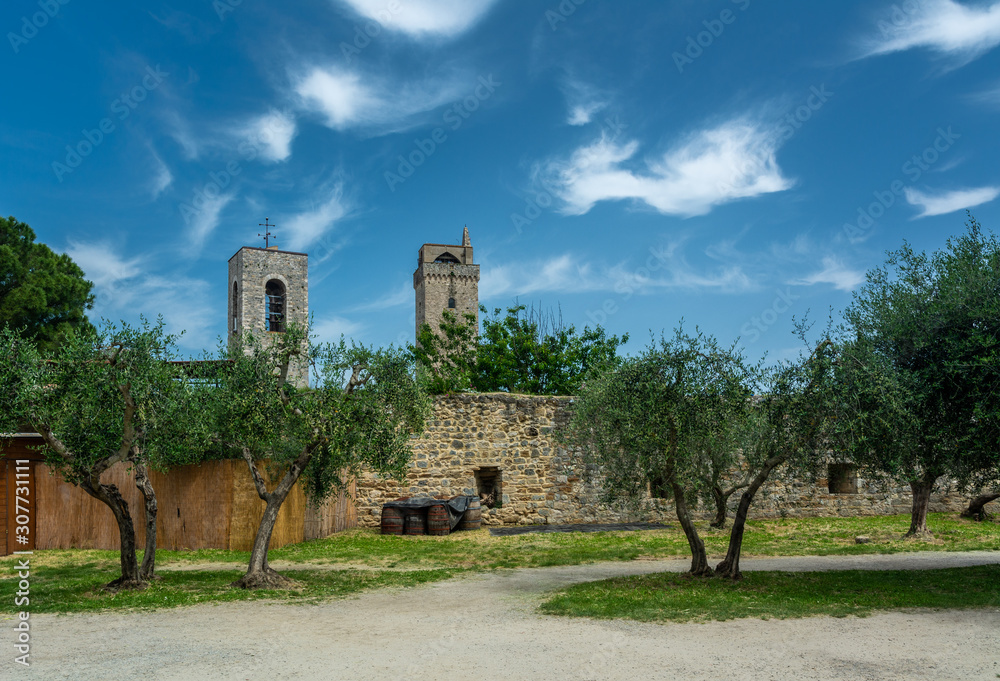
[[456, 505]]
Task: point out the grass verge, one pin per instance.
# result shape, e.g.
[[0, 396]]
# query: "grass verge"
[[672, 597], [78, 588]]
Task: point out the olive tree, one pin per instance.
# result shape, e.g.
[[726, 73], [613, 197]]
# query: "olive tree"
[[655, 417], [361, 410], [102, 398], [918, 369]]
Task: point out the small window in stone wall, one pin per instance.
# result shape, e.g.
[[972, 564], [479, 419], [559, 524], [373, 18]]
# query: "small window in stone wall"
[[842, 478], [489, 486]]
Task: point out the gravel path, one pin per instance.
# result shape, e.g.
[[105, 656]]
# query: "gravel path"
[[486, 627]]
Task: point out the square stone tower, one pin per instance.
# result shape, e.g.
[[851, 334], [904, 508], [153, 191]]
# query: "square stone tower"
[[446, 279], [268, 290]]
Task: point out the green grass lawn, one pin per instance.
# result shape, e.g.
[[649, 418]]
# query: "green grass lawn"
[[670, 597], [68, 580]]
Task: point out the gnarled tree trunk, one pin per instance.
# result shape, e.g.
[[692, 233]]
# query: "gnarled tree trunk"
[[730, 566], [109, 495], [259, 574], [921, 488], [146, 570], [977, 507], [721, 498], [699, 559]]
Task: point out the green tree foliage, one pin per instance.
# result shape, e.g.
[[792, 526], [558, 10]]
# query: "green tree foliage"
[[103, 398], [360, 412], [918, 373], [41, 292], [664, 418], [522, 351]]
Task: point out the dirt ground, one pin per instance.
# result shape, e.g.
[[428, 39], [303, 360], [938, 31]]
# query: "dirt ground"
[[486, 627]]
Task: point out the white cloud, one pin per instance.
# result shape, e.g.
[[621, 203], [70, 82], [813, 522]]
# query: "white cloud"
[[101, 264], [124, 289], [310, 226], [163, 177], [203, 220], [943, 26], [328, 329], [949, 202], [423, 18], [664, 269], [836, 273], [396, 298], [347, 100], [733, 161], [272, 133], [583, 100]]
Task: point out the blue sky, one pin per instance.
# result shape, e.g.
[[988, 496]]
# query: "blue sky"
[[735, 163]]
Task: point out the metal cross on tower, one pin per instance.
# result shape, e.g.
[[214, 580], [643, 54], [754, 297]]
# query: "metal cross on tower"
[[267, 232]]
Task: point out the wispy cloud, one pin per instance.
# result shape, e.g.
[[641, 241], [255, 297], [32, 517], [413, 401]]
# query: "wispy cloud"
[[273, 134], [833, 272], [101, 263], [423, 18], [733, 161], [666, 269], [204, 219], [949, 202], [162, 177], [949, 28], [347, 99], [328, 329], [309, 226], [583, 100], [398, 297]]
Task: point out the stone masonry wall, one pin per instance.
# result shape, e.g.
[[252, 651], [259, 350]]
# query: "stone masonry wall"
[[544, 483]]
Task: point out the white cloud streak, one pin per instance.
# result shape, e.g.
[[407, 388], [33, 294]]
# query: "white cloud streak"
[[949, 202], [347, 100], [329, 328], [584, 101], [733, 161], [203, 221], [949, 28], [308, 227], [273, 134], [422, 19], [835, 273]]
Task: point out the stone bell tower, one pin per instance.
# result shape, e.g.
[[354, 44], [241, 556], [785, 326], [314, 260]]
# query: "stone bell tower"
[[446, 279], [268, 290]]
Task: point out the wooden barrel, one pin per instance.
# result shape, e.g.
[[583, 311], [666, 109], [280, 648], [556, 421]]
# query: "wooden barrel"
[[438, 522], [416, 522], [392, 521], [472, 519]]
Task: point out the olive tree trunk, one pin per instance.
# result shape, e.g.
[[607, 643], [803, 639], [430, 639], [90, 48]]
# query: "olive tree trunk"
[[730, 566], [921, 488], [109, 495], [259, 574], [721, 498], [146, 570], [977, 507], [699, 559]]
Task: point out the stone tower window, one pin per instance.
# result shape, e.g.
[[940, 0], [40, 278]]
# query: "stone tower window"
[[274, 306], [236, 307], [448, 258], [451, 304]]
